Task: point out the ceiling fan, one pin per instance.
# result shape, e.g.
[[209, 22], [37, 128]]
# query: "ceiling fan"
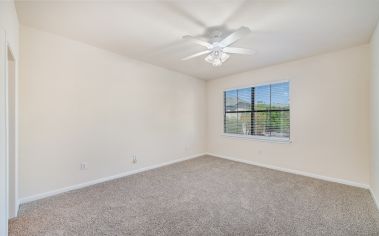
[[218, 49]]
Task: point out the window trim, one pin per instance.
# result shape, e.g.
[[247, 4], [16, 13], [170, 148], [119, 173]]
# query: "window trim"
[[257, 137]]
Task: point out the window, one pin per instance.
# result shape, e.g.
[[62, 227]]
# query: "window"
[[258, 111]]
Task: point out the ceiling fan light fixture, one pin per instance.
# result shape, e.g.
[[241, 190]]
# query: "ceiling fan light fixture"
[[216, 58], [217, 62], [209, 58], [224, 56]]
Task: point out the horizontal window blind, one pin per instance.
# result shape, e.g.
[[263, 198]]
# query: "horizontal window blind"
[[259, 111]]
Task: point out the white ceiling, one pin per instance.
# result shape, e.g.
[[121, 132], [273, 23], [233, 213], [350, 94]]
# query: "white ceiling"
[[152, 31]]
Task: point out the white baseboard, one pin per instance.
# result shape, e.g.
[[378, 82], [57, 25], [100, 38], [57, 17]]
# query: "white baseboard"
[[104, 179], [375, 199], [296, 172], [101, 180]]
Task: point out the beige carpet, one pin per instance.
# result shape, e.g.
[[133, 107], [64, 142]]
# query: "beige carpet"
[[204, 196]]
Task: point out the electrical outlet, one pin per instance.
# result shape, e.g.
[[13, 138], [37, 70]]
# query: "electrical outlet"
[[83, 166], [134, 159]]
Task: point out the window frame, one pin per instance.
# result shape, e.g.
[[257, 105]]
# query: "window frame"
[[257, 137]]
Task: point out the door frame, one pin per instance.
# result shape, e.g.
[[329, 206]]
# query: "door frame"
[[15, 94], [4, 132], [3, 136]]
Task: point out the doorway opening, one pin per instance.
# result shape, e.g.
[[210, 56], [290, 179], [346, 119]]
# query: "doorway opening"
[[11, 133]]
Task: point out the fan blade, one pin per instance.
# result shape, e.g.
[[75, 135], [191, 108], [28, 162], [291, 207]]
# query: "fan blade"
[[238, 50], [196, 55], [233, 37], [198, 41]]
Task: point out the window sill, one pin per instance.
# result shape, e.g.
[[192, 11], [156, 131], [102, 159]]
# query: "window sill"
[[259, 138]]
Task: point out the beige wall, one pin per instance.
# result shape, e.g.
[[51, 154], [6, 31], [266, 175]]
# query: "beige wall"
[[9, 41], [84, 104], [329, 116], [374, 181]]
